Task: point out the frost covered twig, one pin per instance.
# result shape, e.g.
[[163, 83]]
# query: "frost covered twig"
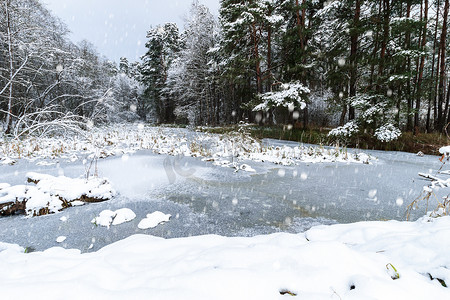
[[428, 191], [46, 120]]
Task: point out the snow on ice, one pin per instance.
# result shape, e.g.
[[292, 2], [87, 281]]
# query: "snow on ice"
[[61, 239], [154, 219], [108, 217]]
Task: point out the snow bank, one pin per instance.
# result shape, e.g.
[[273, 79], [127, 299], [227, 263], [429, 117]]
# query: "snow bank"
[[94, 189], [51, 194], [353, 261]]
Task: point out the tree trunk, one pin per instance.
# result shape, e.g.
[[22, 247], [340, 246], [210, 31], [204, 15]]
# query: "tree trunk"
[[409, 104], [11, 72], [384, 41], [303, 18], [353, 57], [441, 117], [299, 22], [269, 57], [421, 67], [432, 94], [256, 57], [375, 48], [343, 114], [448, 99]]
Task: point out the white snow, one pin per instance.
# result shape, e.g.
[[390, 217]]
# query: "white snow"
[[445, 150], [366, 260], [45, 163], [7, 161], [73, 188], [123, 215], [350, 261], [290, 96], [105, 218], [4, 185], [247, 168], [154, 219]]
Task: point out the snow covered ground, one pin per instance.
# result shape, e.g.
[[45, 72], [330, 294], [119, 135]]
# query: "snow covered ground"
[[368, 260], [265, 187]]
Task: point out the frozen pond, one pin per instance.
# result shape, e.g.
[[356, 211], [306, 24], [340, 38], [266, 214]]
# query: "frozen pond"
[[207, 199]]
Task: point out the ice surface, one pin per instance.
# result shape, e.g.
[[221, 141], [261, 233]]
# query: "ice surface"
[[222, 201], [204, 198]]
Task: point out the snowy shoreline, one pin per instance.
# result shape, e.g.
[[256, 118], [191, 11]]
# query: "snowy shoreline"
[[228, 150]]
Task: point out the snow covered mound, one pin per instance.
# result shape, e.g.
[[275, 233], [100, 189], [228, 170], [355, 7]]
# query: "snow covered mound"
[[51, 194], [154, 219], [108, 217], [367, 260]]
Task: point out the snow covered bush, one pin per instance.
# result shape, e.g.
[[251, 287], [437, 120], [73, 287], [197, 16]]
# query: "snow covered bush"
[[372, 110], [290, 95], [344, 131], [384, 133], [387, 133]]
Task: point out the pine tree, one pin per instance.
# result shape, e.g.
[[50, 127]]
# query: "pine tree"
[[163, 44], [189, 81]]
